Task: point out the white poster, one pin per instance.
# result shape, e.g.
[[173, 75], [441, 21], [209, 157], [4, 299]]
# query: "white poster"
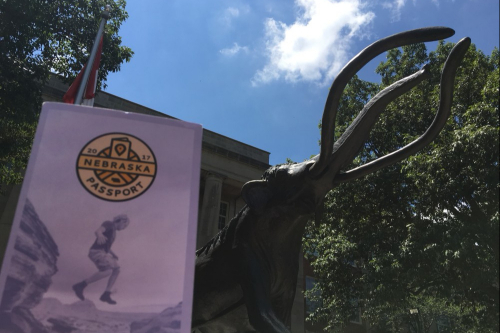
[[103, 238]]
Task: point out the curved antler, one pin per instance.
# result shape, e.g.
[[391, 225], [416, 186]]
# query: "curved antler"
[[348, 145], [361, 59], [446, 97]]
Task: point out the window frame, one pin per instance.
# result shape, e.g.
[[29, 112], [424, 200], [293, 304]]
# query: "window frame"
[[221, 216]]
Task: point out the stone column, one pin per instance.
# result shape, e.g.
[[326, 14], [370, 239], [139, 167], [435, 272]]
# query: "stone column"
[[209, 213]]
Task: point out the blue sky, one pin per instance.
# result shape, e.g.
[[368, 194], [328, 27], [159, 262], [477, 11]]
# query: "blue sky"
[[259, 71]]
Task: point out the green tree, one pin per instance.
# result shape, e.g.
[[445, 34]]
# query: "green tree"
[[38, 37], [422, 232]]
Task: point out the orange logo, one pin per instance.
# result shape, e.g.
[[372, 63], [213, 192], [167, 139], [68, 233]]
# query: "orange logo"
[[116, 167]]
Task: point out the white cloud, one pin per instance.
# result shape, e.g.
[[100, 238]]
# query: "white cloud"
[[395, 7], [229, 14], [234, 50], [232, 13], [314, 47]]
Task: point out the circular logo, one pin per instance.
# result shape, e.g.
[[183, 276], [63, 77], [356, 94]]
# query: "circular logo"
[[116, 167]]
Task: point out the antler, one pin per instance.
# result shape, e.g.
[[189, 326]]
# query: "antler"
[[446, 97], [361, 59]]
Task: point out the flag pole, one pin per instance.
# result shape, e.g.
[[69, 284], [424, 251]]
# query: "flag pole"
[[88, 68]]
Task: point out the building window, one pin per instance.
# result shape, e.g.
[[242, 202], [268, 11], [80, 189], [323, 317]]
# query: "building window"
[[224, 208], [355, 317], [311, 305], [443, 324]]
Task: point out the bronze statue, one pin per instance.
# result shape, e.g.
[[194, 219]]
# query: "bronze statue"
[[245, 277]]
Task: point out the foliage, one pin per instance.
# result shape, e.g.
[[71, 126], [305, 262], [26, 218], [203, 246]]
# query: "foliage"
[[38, 37], [422, 232], [428, 313]]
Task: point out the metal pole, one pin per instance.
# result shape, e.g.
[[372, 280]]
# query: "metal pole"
[[88, 68]]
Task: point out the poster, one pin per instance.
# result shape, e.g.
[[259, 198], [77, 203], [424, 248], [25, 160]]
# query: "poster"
[[103, 238]]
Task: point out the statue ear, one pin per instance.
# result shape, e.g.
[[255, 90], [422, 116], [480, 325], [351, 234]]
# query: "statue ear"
[[256, 194]]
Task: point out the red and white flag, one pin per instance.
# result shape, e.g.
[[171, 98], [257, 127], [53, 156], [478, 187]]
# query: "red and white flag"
[[89, 94]]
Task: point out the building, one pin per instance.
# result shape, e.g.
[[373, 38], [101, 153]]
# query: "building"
[[356, 323]]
